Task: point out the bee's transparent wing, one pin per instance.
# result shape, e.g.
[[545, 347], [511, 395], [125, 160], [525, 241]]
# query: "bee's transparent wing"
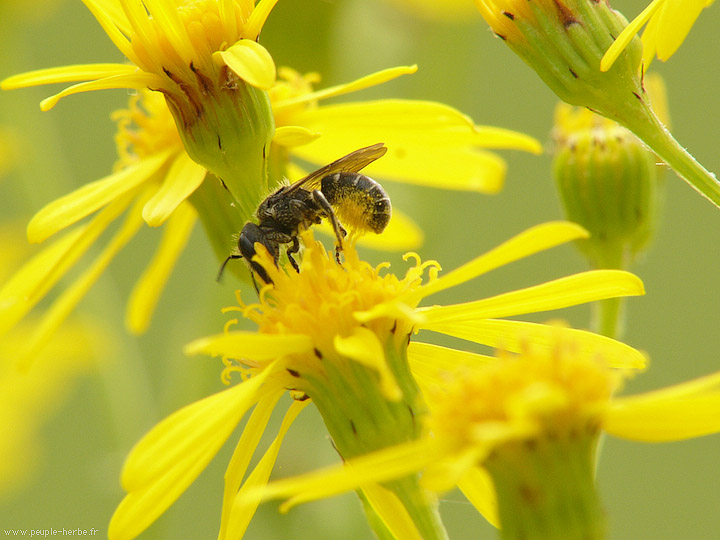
[[353, 162]]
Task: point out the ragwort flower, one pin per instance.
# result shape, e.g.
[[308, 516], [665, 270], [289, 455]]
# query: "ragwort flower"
[[668, 24], [518, 435], [203, 56], [339, 336], [156, 176]]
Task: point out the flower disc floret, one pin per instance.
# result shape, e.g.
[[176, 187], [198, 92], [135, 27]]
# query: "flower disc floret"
[[532, 394], [326, 299], [145, 128]]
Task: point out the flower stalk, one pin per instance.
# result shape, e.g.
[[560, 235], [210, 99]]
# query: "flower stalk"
[[546, 489]]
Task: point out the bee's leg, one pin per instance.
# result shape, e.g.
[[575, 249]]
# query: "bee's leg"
[[340, 232], [293, 249]]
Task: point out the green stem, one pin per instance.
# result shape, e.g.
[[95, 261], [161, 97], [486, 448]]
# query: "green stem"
[[642, 121], [546, 490], [608, 317], [362, 419]]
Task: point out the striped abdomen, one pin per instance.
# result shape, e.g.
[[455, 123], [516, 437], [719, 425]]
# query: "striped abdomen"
[[360, 202]]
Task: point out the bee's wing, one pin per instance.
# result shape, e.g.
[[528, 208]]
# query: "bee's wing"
[[353, 162]]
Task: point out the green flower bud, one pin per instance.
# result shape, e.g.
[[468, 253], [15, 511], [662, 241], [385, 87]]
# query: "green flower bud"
[[608, 183]]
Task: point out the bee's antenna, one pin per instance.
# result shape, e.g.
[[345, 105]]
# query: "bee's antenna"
[[222, 267]]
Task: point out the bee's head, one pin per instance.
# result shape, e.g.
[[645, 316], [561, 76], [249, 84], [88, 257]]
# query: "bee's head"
[[249, 236]]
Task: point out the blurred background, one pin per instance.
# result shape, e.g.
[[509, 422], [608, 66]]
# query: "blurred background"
[[87, 419]]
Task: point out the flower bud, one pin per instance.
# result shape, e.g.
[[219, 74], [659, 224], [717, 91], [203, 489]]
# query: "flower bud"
[[608, 183]]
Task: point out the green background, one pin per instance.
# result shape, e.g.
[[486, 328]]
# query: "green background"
[[664, 491]]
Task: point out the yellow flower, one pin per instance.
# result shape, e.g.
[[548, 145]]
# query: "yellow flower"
[[203, 56], [171, 45], [339, 336], [164, 186], [668, 24], [521, 424]]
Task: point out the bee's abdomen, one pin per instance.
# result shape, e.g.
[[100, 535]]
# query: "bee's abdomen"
[[359, 201]]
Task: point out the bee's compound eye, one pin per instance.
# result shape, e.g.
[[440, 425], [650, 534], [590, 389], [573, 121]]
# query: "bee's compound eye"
[[246, 246]]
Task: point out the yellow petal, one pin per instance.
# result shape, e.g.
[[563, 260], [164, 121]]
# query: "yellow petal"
[[114, 12], [228, 21], [243, 453], [184, 177], [16, 297], [138, 81], [477, 486], [683, 411], [251, 62], [501, 138], [84, 201], [649, 42], [36, 277], [529, 242], [147, 291], [392, 512], [560, 293], [144, 33], [627, 34], [429, 363], [362, 83], [165, 14], [391, 310], [364, 347], [429, 143], [74, 73], [211, 419], [116, 26], [167, 460], [140, 508], [71, 296], [251, 345], [674, 21], [245, 508], [290, 136], [402, 122], [257, 19], [401, 234], [381, 466], [513, 335]]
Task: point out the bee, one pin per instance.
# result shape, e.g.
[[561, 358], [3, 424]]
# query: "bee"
[[335, 189]]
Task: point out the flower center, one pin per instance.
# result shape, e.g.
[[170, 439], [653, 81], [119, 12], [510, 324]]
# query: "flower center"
[[170, 40], [534, 393], [326, 299], [205, 27], [145, 128]]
